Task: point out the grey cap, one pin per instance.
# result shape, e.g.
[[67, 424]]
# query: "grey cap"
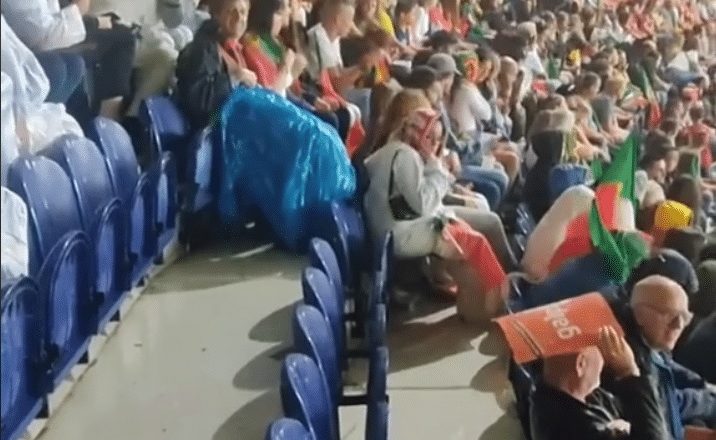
[[443, 64]]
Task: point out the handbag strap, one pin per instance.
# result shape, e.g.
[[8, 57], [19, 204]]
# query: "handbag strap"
[[391, 180]]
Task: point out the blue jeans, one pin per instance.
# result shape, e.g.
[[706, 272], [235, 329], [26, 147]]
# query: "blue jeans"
[[64, 71], [490, 183], [577, 277]]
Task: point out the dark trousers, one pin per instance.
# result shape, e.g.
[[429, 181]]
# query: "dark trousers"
[[65, 72], [112, 60]]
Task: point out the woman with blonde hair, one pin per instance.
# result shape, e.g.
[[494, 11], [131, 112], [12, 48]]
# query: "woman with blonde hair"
[[408, 183], [400, 107]]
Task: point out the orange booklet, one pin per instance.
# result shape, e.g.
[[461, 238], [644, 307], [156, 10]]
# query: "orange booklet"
[[556, 329], [694, 433]]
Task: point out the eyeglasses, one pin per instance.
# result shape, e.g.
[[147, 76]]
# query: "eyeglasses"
[[672, 318]]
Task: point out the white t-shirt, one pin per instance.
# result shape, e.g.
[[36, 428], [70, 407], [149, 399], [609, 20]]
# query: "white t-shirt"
[[467, 107], [422, 25], [323, 53]]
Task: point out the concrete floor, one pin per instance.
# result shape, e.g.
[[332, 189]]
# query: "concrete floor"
[[198, 357]]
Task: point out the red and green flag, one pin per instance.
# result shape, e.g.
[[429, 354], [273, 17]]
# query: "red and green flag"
[[599, 228]]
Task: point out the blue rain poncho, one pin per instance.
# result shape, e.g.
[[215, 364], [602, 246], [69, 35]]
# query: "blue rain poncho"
[[284, 161]]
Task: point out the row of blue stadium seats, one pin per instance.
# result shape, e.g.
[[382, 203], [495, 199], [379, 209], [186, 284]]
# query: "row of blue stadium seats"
[[337, 308], [97, 225]]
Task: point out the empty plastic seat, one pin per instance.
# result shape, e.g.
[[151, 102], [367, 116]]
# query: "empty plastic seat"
[[169, 134], [21, 350], [61, 261], [313, 337], [319, 293], [200, 168], [305, 397], [287, 429], [133, 188], [169, 130], [103, 219], [349, 242]]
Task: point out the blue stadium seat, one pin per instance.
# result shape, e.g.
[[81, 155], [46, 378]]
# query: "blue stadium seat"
[[287, 429], [348, 238], [313, 337], [167, 127], [21, 388], [322, 256], [304, 396], [169, 134], [376, 421], [163, 176], [200, 171], [61, 260], [103, 219], [564, 176], [133, 188], [319, 293]]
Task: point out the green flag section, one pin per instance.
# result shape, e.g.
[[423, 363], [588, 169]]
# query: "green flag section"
[[599, 229], [623, 250], [621, 171]]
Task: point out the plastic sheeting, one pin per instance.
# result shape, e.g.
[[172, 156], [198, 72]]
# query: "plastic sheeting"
[[283, 160], [8, 138], [13, 236]]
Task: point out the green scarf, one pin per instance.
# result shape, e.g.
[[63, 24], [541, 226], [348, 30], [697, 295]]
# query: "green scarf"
[[272, 48]]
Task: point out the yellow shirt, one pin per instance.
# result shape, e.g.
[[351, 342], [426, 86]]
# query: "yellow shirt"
[[385, 22]]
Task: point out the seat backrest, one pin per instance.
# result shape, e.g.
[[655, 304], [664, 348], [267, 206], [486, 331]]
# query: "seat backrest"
[[84, 164], [20, 340], [116, 146], [304, 396], [318, 292], [321, 256], [287, 429], [201, 161], [168, 127], [350, 240], [51, 202], [313, 337]]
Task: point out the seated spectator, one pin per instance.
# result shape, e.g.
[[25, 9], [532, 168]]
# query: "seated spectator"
[[278, 67], [478, 167], [405, 21], [211, 65], [49, 30], [324, 56], [606, 110], [365, 16], [15, 256], [657, 314], [408, 182], [569, 403], [37, 123]]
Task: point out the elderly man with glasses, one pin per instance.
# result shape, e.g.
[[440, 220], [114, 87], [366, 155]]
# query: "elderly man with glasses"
[[656, 316]]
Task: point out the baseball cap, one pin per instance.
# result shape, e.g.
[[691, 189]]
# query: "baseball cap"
[[443, 64]]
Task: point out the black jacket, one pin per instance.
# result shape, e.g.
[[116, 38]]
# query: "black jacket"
[[555, 415], [203, 81], [698, 350], [695, 403]]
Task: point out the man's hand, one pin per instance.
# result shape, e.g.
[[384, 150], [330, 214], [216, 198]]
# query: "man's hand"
[[299, 65], [83, 6], [322, 105], [248, 78], [618, 355], [452, 161], [289, 58]]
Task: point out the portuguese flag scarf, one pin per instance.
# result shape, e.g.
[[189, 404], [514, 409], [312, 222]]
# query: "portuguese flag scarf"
[[599, 229]]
